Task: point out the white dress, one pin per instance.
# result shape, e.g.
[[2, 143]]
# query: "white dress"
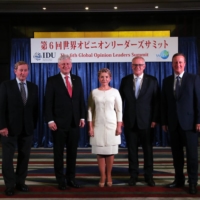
[[105, 110]]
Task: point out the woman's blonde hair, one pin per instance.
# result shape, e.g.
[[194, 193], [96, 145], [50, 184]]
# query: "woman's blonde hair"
[[104, 70]]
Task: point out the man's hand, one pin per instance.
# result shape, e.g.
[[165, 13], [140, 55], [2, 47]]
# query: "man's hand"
[[52, 126], [198, 127], [82, 123], [153, 124], [165, 128], [4, 132]]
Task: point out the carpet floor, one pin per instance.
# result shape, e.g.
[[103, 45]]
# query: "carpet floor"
[[42, 183]]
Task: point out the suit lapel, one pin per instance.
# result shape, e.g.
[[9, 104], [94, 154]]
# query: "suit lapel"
[[131, 86], [17, 91], [63, 86], [171, 85], [183, 83], [29, 88], [61, 83], [74, 85], [144, 85]]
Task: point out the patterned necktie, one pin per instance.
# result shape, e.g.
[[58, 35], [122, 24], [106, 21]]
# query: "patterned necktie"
[[137, 87], [23, 92], [177, 88], [69, 87]]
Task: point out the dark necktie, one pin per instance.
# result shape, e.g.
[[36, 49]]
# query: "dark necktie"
[[23, 92], [178, 87], [69, 87]]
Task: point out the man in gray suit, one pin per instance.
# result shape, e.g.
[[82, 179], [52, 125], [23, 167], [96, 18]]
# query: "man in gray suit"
[[140, 96], [18, 119], [181, 117]]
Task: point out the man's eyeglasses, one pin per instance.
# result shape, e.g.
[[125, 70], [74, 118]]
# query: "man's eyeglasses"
[[137, 65]]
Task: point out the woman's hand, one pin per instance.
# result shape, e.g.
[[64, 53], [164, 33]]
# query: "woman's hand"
[[119, 128], [91, 132]]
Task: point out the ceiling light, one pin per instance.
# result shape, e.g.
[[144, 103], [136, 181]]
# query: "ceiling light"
[[44, 8], [86, 8], [115, 7], [156, 7]]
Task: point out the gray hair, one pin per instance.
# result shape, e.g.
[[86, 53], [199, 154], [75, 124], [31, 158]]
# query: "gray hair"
[[138, 57], [63, 57]]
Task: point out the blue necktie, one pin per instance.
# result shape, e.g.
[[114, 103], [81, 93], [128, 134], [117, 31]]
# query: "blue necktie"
[[137, 87], [177, 88]]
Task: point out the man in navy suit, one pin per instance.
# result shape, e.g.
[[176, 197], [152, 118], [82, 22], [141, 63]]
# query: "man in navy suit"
[[140, 96], [18, 119], [181, 117], [65, 113]]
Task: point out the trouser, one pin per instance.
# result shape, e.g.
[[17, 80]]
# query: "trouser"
[[180, 138], [23, 143], [70, 138], [134, 137]]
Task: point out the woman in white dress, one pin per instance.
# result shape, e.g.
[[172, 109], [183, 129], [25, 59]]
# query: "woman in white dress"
[[105, 121]]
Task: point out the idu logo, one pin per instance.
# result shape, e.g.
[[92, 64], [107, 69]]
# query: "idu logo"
[[37, 56], [45, 56], [164, 54]]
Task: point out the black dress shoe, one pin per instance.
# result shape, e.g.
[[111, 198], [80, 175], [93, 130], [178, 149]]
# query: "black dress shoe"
[[72, 183], [176, 184], [192, 188], [22, 187], [62, 186], [132, 181], [9, 191], [150, 182]]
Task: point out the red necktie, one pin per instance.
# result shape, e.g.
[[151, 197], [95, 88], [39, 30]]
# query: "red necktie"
[[69, 87]]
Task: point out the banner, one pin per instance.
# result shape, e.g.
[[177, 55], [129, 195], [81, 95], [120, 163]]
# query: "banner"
[[81, 50]]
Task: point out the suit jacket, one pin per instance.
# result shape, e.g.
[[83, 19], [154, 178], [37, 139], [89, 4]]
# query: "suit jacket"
[[13, 114], [59, 106], [185, 109], [144, 109]]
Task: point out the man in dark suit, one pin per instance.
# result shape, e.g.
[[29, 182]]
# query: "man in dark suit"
[[140, 96], [18, 118], [65, 113], [181, 117]]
